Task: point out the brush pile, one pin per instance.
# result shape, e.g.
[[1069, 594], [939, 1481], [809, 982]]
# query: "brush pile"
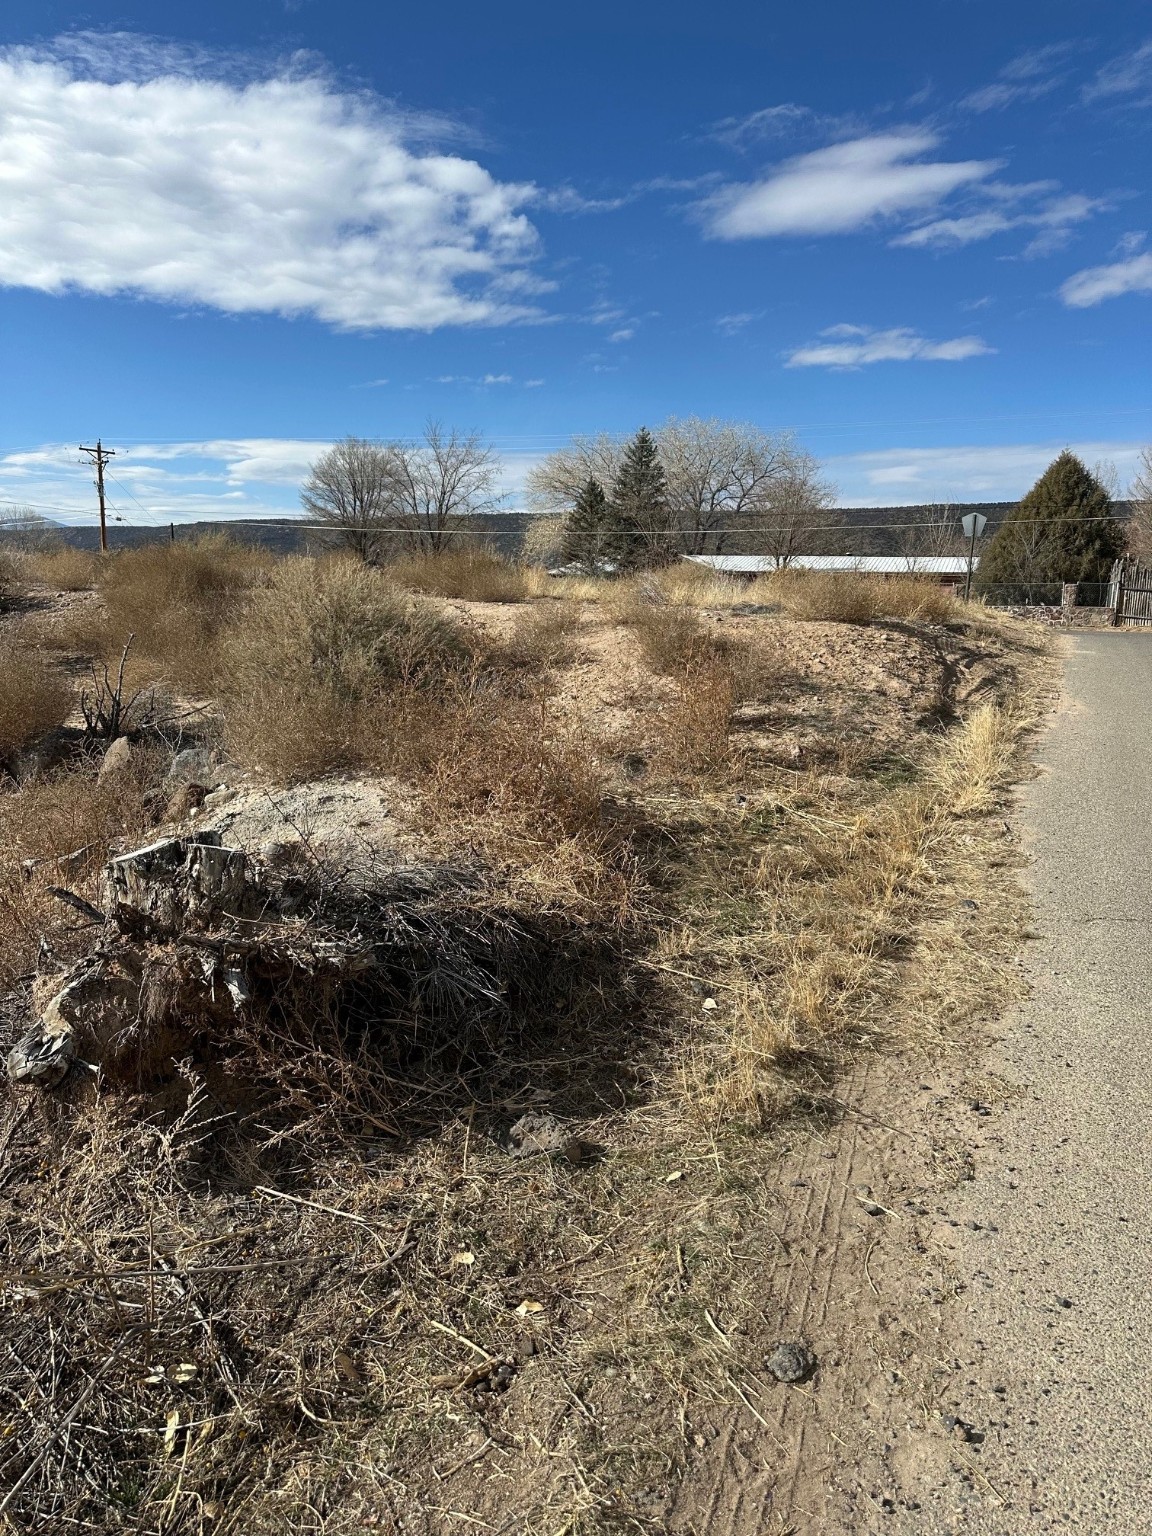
[[260, 978]]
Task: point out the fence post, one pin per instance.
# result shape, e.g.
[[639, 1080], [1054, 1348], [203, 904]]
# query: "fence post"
[[1067, 601], [1117, 593]]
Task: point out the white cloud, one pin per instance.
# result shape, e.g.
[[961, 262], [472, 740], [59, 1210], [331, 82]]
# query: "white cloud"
[[1025, 78], [279, 195], [219, 478], [625, 333], [1000, 472], [842, 187], [782, 121], [1123, 76], [1095, 284], [853, 346], [1054, 219]]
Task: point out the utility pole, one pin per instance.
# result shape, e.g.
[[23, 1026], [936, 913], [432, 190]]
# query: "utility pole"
[[100, 456]]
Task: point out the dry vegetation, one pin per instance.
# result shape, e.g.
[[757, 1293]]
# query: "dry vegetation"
[[704, 841]]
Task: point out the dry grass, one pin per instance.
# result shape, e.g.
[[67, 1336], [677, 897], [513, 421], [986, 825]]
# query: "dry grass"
[[64, 568], [316, 664], [843, 597], [35, 698], [10, 574], [177, 599], [285, 1328], [473, 575], [56, 830], [829, 921]]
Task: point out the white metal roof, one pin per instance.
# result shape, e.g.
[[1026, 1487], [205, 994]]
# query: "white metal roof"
[[869, 565]]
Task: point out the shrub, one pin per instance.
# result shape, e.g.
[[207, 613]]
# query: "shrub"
[[34, 699], [541, 638], [309, 666], [911, 597], [671, 637], [841, 597], [473, 575], [696, 728], [64, 568], [9, 577], [177, 598]]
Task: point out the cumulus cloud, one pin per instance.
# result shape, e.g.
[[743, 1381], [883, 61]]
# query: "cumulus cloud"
[[840, 188], [282, 195], [853, 346], [1095, 284]]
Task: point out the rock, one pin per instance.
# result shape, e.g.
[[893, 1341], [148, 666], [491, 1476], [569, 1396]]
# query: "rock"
[[863, 1193], [117, 758], [532, 1134], [195, 765], [188, 798], [42, 1057], [791, 1361], [218, 797]]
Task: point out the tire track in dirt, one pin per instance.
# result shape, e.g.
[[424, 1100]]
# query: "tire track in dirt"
[[831, 1456]]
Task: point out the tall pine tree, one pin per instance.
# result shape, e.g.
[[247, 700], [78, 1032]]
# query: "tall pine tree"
[[640, 501], [1060, 531], [593, 538]]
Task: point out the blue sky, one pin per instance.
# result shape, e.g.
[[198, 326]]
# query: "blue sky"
[[916, 233]]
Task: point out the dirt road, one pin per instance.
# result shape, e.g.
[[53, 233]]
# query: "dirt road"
[[1054, 1239]]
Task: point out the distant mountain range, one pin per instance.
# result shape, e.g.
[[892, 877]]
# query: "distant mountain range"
[[866, 531]]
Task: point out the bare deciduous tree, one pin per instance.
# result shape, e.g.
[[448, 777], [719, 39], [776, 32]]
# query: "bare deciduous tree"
[[795, 514], [721, 476], [440, 485], [724, 475], [542, 542], [349, 491], [554, 484], [936, 530], [1140, 498]]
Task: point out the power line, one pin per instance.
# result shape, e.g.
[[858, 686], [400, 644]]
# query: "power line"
[[642, 533]]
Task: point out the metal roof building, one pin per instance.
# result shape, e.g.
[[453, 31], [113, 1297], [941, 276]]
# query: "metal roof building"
[[943, 567]]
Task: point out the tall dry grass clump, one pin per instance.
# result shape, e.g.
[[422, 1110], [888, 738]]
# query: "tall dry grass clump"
[[177, 599], [475, 576], [35, 698], [9, 577], [63, 567], [846, 597], [714, 674], [314, 670], [56, 830]]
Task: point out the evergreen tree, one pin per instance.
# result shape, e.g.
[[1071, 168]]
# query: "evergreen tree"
[[593, 538], [640, 501], [1060, 531]]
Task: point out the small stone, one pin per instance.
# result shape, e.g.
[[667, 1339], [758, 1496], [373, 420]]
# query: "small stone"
[[195, 765], [791, 1361], [117, 758], [1063, 1301]]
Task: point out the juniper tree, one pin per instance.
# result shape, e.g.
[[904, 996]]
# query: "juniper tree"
[[640, 502], [592, 532], [1062, 530]]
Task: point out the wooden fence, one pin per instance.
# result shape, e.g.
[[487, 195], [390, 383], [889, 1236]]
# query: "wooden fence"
[[1130, 592]]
